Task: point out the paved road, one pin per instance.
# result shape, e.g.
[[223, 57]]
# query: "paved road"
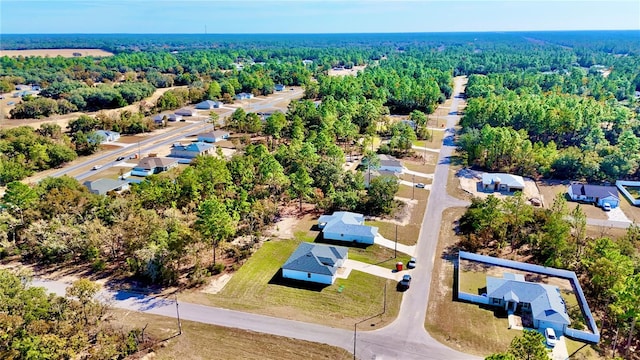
[[405, 338], [149, 144]]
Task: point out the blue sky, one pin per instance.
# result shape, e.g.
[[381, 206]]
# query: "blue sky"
[[309, 16]]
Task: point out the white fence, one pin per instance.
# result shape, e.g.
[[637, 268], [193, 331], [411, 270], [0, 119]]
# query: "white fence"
[[592, 336], [621, 184]]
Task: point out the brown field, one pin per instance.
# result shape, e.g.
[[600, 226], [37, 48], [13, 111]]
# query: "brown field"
[[55, 52]]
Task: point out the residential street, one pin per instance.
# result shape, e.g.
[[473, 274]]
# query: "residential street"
[[405, 338]]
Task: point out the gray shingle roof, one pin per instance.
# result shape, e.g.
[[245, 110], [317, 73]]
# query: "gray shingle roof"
[[103, 186], [315, 258], [595, 191], [346, 222], [546, 302]]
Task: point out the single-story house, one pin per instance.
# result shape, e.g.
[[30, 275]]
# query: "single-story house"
[[243, 96], [279, 87], [372, 174], [315, 263], [307, 62], [190, 151], [543, 301], [153, 165], [158, 119], [389, 163], [108, 136], [213, 136], [186, 112], [502, 182], [597, 194], [103, 186], [208, 105], [347, 226]]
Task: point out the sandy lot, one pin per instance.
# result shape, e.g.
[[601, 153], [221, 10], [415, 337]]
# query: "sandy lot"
[[469, 180], [349, 72], [55, 52]]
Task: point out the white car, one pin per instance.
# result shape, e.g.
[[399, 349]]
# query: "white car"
[[606, 207], [550, 337], [96, 167]]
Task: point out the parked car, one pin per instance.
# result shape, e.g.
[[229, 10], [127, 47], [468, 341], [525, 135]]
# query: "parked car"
[[405, 282], [550, 337], [606, 207], [120, 158], [411, 264], [420, 185], [96, 167]]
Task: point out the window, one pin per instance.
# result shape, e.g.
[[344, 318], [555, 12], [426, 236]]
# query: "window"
[[309, 275]]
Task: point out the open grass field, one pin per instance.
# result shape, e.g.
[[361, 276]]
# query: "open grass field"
[[202, 341], [56, 52], [409, 229], [434, 143], [258, 287]]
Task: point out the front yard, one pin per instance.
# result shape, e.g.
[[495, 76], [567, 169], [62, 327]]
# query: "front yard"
[[258, 287]]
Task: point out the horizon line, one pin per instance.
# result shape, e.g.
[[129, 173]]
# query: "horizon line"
[[333, 33]]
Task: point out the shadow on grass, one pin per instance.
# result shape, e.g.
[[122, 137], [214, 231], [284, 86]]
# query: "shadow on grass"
[[277, 279]]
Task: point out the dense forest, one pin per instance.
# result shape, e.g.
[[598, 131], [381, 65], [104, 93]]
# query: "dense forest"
[[554, 105]]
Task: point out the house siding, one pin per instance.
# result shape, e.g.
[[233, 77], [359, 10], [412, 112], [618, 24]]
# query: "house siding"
[[305, 276], [362, 239]]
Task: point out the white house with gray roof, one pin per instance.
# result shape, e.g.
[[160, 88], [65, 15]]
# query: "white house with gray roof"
[[543, 301], [389, 163], [596, 194], [103, 186], [347, 226], [209, 105], [502, 182], [317, 263]]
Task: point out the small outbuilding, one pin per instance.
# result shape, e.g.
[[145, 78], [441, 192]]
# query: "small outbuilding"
[[158, 119], [596, 194], [316, 263], [107, 136], [243, 96], [279, 87]]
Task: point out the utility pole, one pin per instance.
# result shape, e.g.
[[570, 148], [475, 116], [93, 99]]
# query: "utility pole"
[[178, 316], [395, 249], [413, 185]]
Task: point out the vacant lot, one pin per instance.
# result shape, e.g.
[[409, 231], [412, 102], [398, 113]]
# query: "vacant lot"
[[203, 341], [56, 52], [258, 287]]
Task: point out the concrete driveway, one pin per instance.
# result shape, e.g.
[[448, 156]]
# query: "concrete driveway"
[[376, 270], [560, 351], [617, 215], [380, 240]]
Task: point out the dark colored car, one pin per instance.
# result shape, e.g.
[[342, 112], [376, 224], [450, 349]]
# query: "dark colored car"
[[120, 158], [405, 282]]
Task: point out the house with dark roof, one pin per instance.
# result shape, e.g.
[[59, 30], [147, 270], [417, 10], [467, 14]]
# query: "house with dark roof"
[[502, 182], [347, 226], [191, 150], [596, 194], [317, 263], [107, 136], [153, 165], [186, 112], [213, 136], [103, 186], [542, 301], [208, 105], [389, 163]]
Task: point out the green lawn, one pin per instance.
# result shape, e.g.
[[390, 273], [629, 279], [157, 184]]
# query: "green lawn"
[[434, 143], [471, 281], [257, 287]]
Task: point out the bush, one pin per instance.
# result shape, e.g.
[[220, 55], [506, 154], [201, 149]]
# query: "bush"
[[99, 265], [217, 268]]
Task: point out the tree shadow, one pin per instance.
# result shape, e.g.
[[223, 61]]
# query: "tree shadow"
[[277, 279]]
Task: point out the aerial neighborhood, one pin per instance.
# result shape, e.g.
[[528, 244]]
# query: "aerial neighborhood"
[[290, 196]]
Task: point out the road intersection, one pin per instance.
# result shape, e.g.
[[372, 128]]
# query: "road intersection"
[[405, 338]]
